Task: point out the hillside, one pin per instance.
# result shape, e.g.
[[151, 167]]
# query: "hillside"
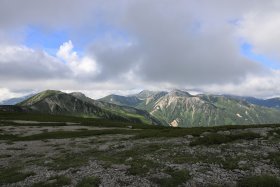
[[77, 104]]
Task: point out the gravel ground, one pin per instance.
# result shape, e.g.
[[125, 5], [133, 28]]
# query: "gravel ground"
[[222, 164]]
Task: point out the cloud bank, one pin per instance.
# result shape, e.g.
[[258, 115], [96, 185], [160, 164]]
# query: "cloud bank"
[[127, 46]]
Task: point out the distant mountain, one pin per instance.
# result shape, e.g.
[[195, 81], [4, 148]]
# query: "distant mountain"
[[179, 108], [15, 100], [122, 100], [271, 103], [147, 94], [77, 104]]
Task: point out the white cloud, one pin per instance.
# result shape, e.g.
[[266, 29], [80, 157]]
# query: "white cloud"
[[21, 62], [5, 93], [261, 30], [264, 86], [66, 53], [79, 66], [147, 45], [97, 94]]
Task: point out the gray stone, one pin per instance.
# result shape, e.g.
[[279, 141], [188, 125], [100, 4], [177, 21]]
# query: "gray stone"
[[129, 159], [242, 163], [258, 171], [189, 136], [263, 134], [224, 133]]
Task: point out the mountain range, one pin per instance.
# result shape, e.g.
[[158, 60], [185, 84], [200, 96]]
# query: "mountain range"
[[175, 108], [179, 108], [77, 104]]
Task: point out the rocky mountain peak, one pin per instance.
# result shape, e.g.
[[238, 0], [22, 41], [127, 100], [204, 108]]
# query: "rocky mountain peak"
[[179, 93], [78, 94], [145, 94]]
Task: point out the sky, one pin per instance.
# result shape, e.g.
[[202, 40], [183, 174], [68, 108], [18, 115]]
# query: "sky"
[[102, 47]]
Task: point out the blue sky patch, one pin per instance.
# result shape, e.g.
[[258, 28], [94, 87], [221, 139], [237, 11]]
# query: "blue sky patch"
[[48, 40], [247, 51]]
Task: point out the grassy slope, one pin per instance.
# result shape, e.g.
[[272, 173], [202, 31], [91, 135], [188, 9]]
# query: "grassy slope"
[[38, 97]]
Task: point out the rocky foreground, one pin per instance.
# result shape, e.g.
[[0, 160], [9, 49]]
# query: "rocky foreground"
[[74, 155]]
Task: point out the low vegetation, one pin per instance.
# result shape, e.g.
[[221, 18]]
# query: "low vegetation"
[[89, 182], [214, 138], [56, 181], [275, 158], [7, 136], [67, 160], [135, 153], [140, 166], [259, 181], [72, 134], [12, 175], [177, 177]]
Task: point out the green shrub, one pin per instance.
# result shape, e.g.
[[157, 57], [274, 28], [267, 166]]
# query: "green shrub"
[[141, 166]]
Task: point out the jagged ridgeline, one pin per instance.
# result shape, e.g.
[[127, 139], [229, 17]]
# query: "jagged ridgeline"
[[181, 109], [77, 104], [176, 108]]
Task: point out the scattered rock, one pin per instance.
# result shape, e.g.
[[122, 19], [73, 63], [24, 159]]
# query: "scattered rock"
[[257, 171], [189, 136], [224, 132], [206, 133], [204, 163], [263, 134], [129, 159], [242, 163]]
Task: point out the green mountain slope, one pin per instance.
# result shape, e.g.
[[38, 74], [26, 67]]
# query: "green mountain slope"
[[77, 104], [38, 97], [179, 108], [122, 100]]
